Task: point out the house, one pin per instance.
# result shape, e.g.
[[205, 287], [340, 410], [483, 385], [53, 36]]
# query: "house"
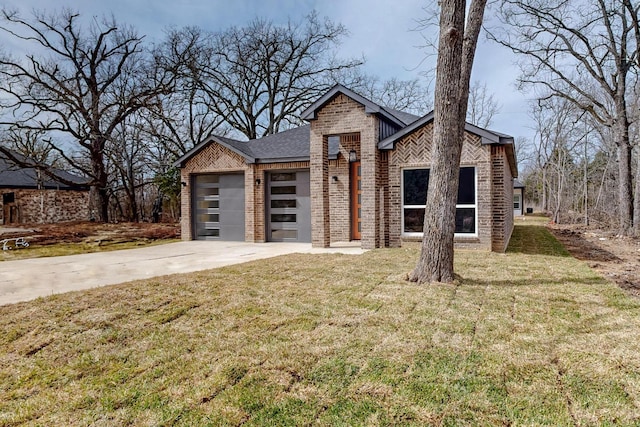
[[357, 172], [30, 196], [518, 198]]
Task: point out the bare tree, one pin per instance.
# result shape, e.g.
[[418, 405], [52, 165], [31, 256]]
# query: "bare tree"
[[188, 115], [456, 51], [582, 52], [80, 83], [263, 75], [482, 106], [411, 96]]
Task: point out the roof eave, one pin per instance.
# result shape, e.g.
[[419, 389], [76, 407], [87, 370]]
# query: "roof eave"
[[370, 107], [281, 160]]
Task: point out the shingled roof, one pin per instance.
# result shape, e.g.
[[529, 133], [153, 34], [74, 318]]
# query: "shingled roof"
[[14, 176], [293, 144]]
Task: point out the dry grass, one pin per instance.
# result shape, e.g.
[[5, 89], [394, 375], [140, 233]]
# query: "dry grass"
[[61, 249], [523, 338]]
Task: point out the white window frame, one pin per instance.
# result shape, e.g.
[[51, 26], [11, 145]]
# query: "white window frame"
[[517, 198], [458, 206]]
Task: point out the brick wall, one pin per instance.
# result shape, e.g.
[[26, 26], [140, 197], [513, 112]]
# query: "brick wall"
[[218, 159], [413, 151], [45, 206], [330, 200], [502, 196], [213, 158]]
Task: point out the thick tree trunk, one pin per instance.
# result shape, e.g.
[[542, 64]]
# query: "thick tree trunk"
[[101, 195], [625, 181], [436, 258], [625, 189], [456, 51], [636, 199]]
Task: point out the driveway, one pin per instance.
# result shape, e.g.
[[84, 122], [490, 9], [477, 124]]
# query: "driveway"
[[23, 280]]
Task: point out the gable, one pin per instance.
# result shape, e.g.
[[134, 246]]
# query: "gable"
[[415, 148], [485, 136], [214, 158]]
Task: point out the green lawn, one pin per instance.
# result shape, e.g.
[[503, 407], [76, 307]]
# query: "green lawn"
[[531, 337]]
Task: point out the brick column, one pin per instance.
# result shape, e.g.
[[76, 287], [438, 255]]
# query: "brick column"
[[319, 175], [185, 206], [370, 184]]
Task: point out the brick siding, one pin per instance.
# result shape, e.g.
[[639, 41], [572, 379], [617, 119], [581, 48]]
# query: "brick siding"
[[414, 151], [330, 216], [502, 199], [212, 159]]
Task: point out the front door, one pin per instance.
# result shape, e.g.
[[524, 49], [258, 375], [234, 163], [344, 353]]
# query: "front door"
[[355, 175]]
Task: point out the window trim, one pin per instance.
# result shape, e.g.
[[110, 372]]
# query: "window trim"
[[458, 206]]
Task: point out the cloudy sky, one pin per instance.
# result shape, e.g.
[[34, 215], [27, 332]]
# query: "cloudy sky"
[[381, 30]]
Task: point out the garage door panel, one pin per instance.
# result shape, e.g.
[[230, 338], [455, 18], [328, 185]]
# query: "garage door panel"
[[289, 206], [219, 207]]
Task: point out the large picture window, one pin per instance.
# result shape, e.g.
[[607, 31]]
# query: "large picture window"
[[415, 183]]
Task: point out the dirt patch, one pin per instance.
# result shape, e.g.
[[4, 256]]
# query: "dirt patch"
[[616, 257], [84, 231]]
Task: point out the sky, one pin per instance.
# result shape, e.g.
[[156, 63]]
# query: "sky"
[[383, 31]]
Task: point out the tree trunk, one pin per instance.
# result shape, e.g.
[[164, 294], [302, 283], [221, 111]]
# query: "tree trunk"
[[101, 201], [636, 199], [436, 258], [625, 189]]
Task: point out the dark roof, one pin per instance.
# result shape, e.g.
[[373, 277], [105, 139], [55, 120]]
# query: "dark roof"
[[517, 184], [287, 146], [293, 144], [406, 118], [14, 176]]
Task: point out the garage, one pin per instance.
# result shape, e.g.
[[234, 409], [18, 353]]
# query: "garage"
[[288, 206], [218, 207]]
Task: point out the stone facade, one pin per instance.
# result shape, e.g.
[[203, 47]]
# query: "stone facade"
[[31, 206]]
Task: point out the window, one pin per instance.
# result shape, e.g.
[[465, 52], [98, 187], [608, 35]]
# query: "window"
[[516, 201], [415, 183]]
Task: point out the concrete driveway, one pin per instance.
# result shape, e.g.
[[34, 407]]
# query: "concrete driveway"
[[28, 279]]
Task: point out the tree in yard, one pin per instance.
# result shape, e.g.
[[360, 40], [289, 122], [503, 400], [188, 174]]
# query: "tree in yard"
[[79, 83], [456, 51], [584, 52], [189, 114], [263, 75]]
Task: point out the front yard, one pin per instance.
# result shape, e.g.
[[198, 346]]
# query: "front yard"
[[533, 337]]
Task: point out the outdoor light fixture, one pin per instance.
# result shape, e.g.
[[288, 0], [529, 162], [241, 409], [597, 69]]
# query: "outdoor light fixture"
[[184, 184], [258, 181], [335, 178], [353, 156]]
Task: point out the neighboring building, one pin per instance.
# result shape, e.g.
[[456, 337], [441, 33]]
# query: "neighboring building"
[[30, 196], [359, 171], [518, 198]]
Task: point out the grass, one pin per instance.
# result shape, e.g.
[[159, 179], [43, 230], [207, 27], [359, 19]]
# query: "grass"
[[531, 337], [60, 249]]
